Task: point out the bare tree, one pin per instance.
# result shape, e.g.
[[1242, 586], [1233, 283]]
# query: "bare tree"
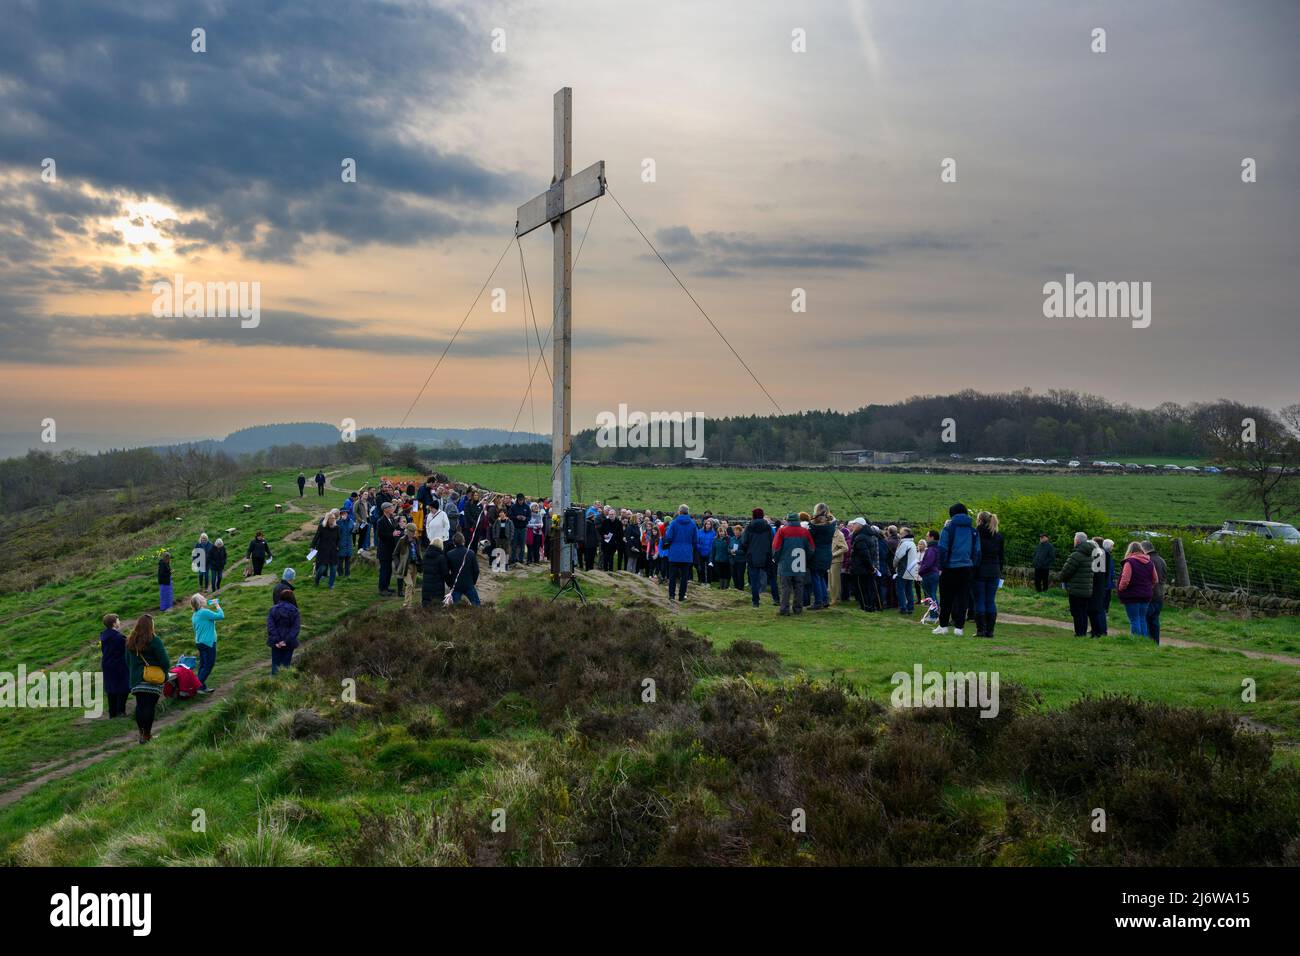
[[195, 471], [1261, 448]]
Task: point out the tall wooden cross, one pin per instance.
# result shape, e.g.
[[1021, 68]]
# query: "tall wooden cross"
[[566, 193]]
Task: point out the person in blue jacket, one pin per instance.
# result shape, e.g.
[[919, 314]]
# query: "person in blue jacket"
[[679, 543], [959, 555], [283, 623], [704, 551], [346, 526], [112, 650]]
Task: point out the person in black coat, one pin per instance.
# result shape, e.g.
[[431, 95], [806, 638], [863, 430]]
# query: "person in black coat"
[[117, 680], [591, 543], [320, 483], [326, 543], [1044, 561], [864, 552], [259, 552], [611, 539], [756, 544], [386, 535], [302, 483], [991, 568], [462, 571], [632, 553], [217, 563], [434, 566]]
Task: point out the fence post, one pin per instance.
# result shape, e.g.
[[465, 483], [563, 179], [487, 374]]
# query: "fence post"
[[1181, 577]]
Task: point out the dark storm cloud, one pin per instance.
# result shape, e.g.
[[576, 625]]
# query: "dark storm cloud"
[[719, 254], [253, 131], [26, 336]]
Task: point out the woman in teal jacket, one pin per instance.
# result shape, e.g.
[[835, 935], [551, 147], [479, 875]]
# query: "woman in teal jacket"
[[204, 620], [722, 557]]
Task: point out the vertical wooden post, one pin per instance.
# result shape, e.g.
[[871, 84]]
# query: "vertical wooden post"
[[561, 418], [1181, 577]]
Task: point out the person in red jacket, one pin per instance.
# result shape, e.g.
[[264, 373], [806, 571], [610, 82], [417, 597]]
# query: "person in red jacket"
[[792, 550]]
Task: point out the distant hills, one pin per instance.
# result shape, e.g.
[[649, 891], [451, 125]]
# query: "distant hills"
[[259, 437]]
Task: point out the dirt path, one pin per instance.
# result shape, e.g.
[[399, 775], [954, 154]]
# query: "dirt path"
[[35, 777], [1164, 641]]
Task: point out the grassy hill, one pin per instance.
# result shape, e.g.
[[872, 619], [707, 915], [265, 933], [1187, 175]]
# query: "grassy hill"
[[537, 710]]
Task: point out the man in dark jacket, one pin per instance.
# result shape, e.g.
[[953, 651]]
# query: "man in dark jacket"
[[284, 584], [1076, 576], [320, 483], [434, 587], [864, 552], [611, 539], [471, 519], [302, 483], [518, 513], [1044, 561], [386, 535], [117, 680], [462, 571], [756, 546], [888, 547], [1103, 582], [1158, 594]]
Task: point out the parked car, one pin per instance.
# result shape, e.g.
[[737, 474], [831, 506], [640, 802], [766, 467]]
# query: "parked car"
[[1152, 467], [1073, 463], [1211, 470], [1191, 468], [1221, 536], [1273, 530], [1172, 468], [1133, 466]]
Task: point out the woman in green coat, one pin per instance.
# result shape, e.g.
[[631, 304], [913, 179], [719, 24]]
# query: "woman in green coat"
[[145, 648]]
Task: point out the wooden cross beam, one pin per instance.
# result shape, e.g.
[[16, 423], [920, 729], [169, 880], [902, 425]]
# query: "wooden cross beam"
[[566, 193]]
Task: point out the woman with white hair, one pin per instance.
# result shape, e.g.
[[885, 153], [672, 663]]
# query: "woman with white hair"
[[201, 560], [203, 619], [217, 564]]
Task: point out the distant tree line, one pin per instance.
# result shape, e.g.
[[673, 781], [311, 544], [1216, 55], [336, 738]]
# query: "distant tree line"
[[1058, 424]]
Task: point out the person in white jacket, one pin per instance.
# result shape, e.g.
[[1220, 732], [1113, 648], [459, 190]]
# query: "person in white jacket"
[[437, 526], [906, 561]]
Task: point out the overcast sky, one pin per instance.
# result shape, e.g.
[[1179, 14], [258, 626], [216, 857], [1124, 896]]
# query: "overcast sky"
[[775, 170]]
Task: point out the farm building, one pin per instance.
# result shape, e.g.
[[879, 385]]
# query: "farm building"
[[867, 456]]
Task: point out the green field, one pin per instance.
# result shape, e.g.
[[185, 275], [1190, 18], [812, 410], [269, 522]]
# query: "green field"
[[1139, 500], [370, 789]]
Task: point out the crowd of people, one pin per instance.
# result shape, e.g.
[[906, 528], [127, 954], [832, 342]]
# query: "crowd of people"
[[426, 539]]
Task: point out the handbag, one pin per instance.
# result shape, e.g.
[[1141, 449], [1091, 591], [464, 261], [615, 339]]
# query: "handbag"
[[153, 674]]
